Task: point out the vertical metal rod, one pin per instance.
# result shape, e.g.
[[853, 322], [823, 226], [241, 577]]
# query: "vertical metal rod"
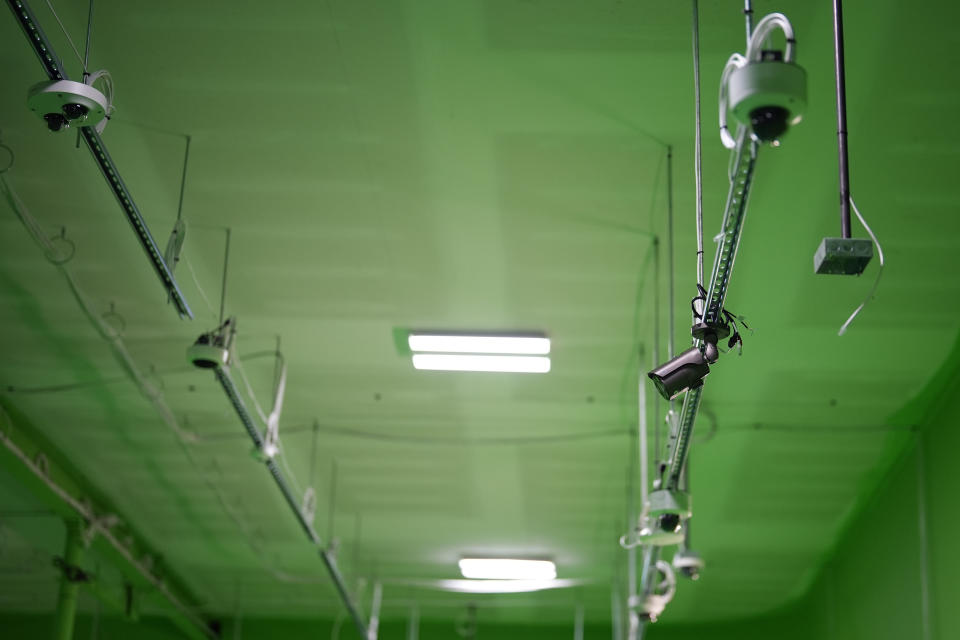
[[413, 628], [616, 613], [183, 181], [644, 456], [841, 81], [656, 336], [313, 456], [697, 143], [748, 18], [86, 50], [924, 544], [373, 628], [69, 589], [671, 330], [223, 286], [333, 502], [578, 622]]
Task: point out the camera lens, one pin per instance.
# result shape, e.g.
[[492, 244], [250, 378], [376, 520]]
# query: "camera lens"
[[769, 123], [55, 121], [670, 522], [75, 111]]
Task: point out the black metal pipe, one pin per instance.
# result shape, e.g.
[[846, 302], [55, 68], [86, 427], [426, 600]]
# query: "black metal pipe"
[[841, 118]]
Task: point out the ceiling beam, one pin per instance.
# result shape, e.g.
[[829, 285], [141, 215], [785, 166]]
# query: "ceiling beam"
[[38, 467]]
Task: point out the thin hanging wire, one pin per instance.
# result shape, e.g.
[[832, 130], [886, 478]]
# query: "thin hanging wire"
[[697, 142], [226, 262], [183, 181], [876, 283], [69, 39], [86, 49]]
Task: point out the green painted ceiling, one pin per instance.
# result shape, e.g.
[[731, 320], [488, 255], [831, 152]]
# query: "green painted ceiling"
[[485, 164]]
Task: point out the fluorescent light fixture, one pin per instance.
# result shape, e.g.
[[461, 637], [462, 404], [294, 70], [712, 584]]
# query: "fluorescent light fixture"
[[457, 362], [507, 569], [449, 343], [504, 586]]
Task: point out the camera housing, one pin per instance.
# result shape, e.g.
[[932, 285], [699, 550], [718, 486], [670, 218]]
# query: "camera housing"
[[667, 510], [686, 371], [64, 102], [768, 95], [688, 563], [212, 350]]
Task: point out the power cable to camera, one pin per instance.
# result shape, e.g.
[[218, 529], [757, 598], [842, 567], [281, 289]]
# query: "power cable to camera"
[[876, 282]]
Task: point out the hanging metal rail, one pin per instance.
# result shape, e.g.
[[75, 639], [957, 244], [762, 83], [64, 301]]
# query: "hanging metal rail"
[[735, 211], [54, 69], [329, 560], [681, 432]]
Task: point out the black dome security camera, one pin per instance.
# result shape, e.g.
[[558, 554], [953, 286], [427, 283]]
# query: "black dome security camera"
[[75, 111], [769, 123], [55, 121]]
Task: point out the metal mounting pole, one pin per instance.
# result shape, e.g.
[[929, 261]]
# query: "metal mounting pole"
[[69, 583], [841, 82]]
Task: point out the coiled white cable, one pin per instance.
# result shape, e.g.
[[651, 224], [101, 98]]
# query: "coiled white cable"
[[876, 282], [734, 62], [762, 32]]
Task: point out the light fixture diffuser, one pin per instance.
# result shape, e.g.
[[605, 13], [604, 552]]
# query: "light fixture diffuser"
[[470, 362], [507, 569], [451, 343]]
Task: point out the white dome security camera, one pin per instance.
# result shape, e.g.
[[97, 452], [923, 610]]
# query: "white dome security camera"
[[212, 350], [764, 90], [63, 103], [768, 96]]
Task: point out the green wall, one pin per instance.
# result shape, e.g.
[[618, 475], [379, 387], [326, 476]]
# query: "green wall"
[[895, 572]]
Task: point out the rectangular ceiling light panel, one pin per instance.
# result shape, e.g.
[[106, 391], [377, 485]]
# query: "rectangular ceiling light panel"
[[514, 345], [462, 362], [507, 569]]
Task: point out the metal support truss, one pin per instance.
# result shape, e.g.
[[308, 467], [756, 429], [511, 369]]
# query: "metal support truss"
[[54, 69], [329, 560]]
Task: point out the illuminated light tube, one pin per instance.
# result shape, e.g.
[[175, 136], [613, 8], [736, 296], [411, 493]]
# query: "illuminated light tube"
[[507, 569], [504, 586], [502, 364], [446, 343]]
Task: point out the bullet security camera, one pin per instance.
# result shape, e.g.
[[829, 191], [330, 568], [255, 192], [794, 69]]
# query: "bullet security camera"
[[64, 102], [684, 372], [212, 350]]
